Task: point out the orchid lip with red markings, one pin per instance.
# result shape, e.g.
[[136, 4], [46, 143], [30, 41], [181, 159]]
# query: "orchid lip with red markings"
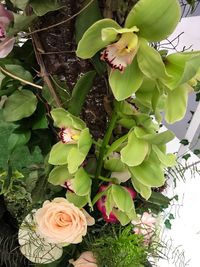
[[69, 136], [121, 54]]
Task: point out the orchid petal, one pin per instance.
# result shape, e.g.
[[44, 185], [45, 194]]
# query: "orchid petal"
[[92, 41], [111, 33], [124, 84], [155, 19]]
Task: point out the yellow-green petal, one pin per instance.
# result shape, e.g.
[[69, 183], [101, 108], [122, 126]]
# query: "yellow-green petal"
[[156, 19]]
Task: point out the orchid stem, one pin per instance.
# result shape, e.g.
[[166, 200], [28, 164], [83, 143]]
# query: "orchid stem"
[[105, 143]]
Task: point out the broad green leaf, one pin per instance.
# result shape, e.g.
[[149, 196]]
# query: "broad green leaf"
[[74, 159], [18, 139], [135, 151], [116, 145], [80, 91], [40, 8], [159, 199], [122, 198], [176, 104], [59, 153], [114, 165], [155, 19], [132, 213], [78, 201], [150, 61], [59, 175], [81, 183], [122, 217], [182, 67], [21, 23], [64, 119], [143, 190], [21, 4], [20, 72], [150, 172], [167, 160], [83, 21], [84, 141], [92, 42], [155, 138], [124, 84], [21, 104]]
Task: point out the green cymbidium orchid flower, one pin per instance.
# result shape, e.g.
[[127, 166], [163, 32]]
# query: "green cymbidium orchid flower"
[[171, 94], [126, 49], [75, 141]]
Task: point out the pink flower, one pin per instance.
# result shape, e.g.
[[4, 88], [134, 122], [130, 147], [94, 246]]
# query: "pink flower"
[[86, 259], [101, 204], [120, 54], [60, 222], [6, 43], [69, 136], [145, 227]]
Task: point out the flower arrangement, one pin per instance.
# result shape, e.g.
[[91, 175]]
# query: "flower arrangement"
[[96, 196]]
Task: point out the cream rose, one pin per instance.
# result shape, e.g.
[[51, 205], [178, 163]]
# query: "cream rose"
[[60, 222], [86, 259]]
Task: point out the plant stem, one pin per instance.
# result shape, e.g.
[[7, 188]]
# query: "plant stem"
[[105, 143]]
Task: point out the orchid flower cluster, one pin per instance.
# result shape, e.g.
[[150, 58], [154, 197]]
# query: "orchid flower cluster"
[[109, 184]]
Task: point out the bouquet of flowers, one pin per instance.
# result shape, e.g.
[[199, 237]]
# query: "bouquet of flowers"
[[94, 197]]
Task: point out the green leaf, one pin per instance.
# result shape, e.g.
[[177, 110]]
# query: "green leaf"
[[21, 4], [135, 151], [168, 224], [80, 91], [186, 156], [150, 61], [18, 139], [184, 142], [143, 190], [155, 19], [59, 175], [74, 159], [86, 18], [92, 42], [40, 8], [124, 84], [196, 151], [59, 153], [167, 160], [21, 104], [64, 119], [20, 72], [149, 173], [159, 199], [84, 141], [81, 183], [78, 201], [21, 23], [122, 198], [176, 104]]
